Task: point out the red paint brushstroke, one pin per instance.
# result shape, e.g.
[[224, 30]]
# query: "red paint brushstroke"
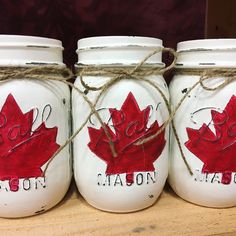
[[216, 149], [130, 125], [22, 151]]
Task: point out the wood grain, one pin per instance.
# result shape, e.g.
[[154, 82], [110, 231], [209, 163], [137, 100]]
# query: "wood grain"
[[170, 215]]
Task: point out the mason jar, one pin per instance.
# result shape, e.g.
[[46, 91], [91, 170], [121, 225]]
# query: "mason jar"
[[132, 175], [34, 123], [205, 123]]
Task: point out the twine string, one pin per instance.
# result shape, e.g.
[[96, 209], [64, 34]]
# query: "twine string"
[[139, 73], [62, 74]]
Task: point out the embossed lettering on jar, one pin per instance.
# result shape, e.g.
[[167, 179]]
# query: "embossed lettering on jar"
[[205, 123], [34, 118], [130, 176]]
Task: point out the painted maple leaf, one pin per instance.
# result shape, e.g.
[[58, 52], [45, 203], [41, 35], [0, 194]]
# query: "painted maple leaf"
[[130, 125], [217, 150], [23, 151]]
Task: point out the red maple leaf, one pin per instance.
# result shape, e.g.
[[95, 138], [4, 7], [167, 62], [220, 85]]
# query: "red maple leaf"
[[216, 150], [130, 125], [23, 151]]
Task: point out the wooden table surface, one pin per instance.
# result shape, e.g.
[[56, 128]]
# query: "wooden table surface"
[[169, 216]]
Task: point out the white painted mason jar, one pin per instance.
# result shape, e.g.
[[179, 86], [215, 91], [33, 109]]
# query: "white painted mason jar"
[[34, 123], [131, 111], [205, 124]]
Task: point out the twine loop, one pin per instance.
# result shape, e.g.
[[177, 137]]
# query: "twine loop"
[[227, 74]]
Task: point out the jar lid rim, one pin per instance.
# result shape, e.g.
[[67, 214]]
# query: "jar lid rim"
[[206, 44], [28, 41], [117, 41]]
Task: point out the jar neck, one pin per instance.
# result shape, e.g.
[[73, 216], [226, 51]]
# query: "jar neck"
[[207, 59]]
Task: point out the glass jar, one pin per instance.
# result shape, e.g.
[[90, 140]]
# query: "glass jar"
[[132, 176], [205, 123], [34, 123]]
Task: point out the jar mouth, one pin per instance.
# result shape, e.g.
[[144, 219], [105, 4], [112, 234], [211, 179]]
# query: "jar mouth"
[[28, 41], [206, 45], [101, 42]]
